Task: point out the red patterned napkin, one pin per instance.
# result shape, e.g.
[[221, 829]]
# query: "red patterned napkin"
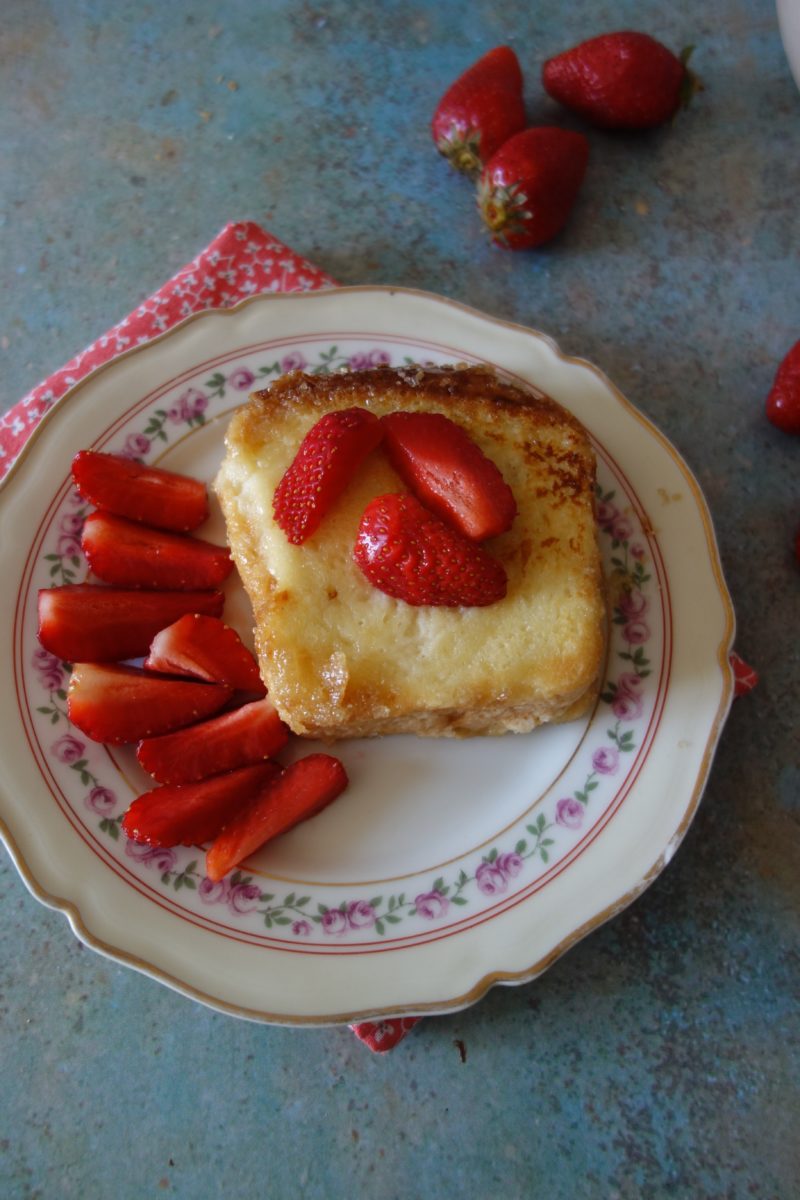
[[242, 260]]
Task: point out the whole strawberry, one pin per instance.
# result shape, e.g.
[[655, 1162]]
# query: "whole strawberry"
[[783, 401], [412, 555], [480, 111], [621, 80], [528, 188]]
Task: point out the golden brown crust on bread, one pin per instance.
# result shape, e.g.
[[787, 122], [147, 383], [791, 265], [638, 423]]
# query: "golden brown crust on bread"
[[340, 658]]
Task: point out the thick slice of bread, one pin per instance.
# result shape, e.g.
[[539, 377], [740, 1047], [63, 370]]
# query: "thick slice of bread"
[[340, 658]]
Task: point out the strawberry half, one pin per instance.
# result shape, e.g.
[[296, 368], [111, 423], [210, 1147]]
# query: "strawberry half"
[[85, 622], [247, 735], [192, 813], [128, 554], [621, 80], [409, 553], [445, 469], [783, 401], [480, 111], [299, 792], [145, 494], [528, 188], [119, 704], [328, 457], [205, 648]]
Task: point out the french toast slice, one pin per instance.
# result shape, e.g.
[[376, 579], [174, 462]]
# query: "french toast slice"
[[342, 659]]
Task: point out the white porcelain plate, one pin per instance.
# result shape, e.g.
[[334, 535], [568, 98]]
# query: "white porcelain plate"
[[447, 866]]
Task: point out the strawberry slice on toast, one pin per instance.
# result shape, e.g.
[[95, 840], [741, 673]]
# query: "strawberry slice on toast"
[[449, 473], [192, 813], [130, 555], [85, 622], [120, 704], [249, 734], [205, 648], [149, 495], [299, 792], [409, 553], [328, 457]]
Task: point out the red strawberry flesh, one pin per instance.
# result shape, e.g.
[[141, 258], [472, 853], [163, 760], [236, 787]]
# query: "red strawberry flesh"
[[479, 111], [412, 555], [193, 813], [249, 734], [449, 472], [128, 554], [149, 495], [328, 457], [205, 648], [85, 622], [783, 401], [529, 187], [300, 792], [120, 704], [624, 80]]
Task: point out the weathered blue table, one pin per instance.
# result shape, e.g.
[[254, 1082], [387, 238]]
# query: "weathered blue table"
[[660, 1057]]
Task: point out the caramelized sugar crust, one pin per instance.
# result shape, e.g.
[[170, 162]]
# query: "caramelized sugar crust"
[[341, 659]]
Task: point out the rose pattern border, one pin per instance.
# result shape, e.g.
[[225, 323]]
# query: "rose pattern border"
[[299, 915]]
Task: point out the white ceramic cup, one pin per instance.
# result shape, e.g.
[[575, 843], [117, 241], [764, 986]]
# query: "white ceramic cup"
[[789, 23]]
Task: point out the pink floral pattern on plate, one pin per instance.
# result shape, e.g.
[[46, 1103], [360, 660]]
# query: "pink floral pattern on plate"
[[585, 791]]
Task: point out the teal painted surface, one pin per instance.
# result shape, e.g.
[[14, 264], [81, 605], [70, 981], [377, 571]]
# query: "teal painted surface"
[[660, 1057]]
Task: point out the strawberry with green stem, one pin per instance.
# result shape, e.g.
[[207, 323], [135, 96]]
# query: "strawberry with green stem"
[[528, 188], [480, 111], [624, 80]]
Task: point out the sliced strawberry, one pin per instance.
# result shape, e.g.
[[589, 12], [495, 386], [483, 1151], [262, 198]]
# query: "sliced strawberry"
[[118, 704], [328, 457], [84, 622], [145, 494], [409, 553], [192, 813], [128, 554], [249, 734], [299, 792], [442, 465], [205, 648]]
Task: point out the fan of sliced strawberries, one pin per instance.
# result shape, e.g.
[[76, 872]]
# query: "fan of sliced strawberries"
[[197, 707]]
